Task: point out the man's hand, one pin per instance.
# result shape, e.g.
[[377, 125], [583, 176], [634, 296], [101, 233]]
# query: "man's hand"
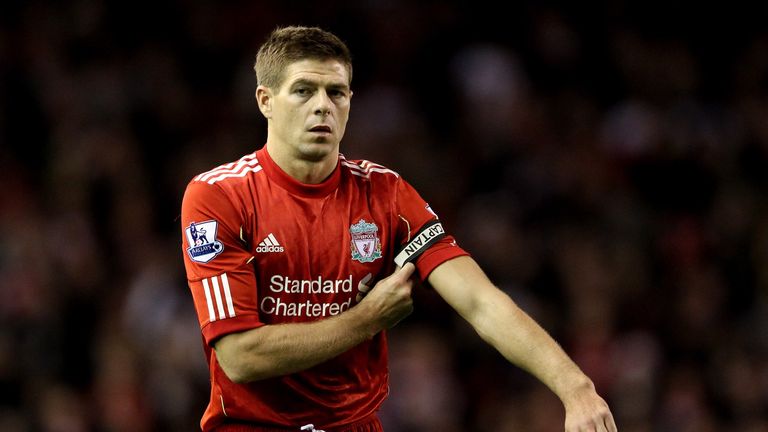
[[522, 341], [280, 349], [586, 411], [390, 300]]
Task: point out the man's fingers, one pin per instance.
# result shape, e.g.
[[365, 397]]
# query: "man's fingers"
[[404, 272], [399, 276], [363, 287], [598, 423], [601, 426]]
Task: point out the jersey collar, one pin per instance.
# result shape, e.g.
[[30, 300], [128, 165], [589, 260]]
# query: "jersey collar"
[[276, 174]]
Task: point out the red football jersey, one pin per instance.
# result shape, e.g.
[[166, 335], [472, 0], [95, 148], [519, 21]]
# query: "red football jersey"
[[262, 248]]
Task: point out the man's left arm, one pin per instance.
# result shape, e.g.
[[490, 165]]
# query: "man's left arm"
[[501, 323]]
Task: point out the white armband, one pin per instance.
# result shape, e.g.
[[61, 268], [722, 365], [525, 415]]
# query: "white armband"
[[426, 237]]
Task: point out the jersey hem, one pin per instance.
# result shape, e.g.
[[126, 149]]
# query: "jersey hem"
[[370, 423]]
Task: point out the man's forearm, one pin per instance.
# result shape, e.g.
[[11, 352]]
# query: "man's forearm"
[[281, 349], [501, 323], [523, 342]]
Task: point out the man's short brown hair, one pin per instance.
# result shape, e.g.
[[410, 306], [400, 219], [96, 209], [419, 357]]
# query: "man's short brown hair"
[[288, 45]]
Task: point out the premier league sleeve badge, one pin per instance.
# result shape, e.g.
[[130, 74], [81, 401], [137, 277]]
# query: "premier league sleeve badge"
[[203, 245]]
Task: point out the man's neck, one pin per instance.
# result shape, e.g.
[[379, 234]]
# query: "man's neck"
[[305, 171]]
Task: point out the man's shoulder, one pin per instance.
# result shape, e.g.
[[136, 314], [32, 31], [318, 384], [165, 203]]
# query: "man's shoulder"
[[368, 170], [229, 173]]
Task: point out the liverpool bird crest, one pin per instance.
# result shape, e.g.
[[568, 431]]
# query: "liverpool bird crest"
[[365, 243]]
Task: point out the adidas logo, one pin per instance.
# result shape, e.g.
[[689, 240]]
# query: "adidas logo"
[[269, 244]]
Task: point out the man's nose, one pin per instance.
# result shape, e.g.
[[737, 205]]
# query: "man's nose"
[[322, 104]]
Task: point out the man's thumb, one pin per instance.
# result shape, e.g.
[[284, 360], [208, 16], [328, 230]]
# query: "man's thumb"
[[405, 271]]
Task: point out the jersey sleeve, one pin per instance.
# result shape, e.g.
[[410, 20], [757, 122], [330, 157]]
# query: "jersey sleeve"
[[418, 219], [219, 273]]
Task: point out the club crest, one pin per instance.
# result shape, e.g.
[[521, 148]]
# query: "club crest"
[[365, 244], [201, 237]]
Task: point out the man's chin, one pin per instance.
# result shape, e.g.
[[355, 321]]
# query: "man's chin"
[[318, 151]]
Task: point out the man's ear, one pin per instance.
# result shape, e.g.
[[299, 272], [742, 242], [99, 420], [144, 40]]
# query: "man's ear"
[[264, 99]]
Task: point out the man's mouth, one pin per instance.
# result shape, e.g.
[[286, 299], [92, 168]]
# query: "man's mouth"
[[321, 128]]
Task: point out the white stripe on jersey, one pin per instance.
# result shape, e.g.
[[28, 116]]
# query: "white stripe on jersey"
[[230, 167], [214, 283], [240, 168], [242, 173], [366, 168], [217, 292], [211, 313], [228, 295]]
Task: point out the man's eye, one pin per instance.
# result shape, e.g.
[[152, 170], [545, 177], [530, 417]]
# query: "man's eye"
[[303, 91]]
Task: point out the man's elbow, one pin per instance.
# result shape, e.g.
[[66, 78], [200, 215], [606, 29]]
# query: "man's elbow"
[[232, 368], [489, 312], [239, 367], [236, 373]]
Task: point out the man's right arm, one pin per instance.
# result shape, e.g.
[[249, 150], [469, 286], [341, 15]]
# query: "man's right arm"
[[280, 349]]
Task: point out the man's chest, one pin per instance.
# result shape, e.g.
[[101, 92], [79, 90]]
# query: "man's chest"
[[322, 235], [319, 251]]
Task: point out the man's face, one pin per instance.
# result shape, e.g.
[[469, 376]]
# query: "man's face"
[[308, 113]]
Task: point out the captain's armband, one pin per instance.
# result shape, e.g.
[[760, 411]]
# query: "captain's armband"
[[429, 234]]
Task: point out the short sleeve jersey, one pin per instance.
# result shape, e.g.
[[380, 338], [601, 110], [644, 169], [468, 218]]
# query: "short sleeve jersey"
[[261, 248]]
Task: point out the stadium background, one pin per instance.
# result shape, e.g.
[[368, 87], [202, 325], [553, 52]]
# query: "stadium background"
[[606, 164]]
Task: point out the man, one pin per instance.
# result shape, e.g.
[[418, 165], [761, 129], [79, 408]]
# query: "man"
[[310, 258]]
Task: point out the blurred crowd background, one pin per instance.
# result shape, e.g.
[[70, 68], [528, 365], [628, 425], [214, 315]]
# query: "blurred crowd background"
[[606, 165]]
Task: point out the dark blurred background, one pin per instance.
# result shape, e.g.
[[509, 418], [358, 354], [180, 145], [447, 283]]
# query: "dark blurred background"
[[606, 165]]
